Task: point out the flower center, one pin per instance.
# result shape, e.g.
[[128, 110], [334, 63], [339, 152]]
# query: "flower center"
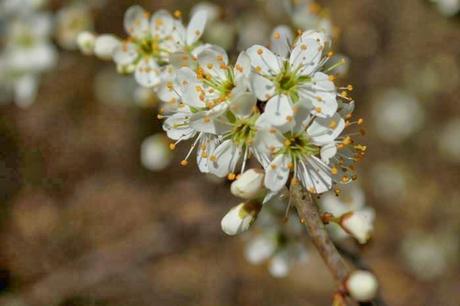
[[288, 80], [26, 40], [149, 47], [298, 146], [244, 130]]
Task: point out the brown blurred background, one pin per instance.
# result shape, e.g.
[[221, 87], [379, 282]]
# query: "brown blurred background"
[[83, 223]]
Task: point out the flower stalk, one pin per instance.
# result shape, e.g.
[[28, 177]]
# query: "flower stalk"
[[311, 218]]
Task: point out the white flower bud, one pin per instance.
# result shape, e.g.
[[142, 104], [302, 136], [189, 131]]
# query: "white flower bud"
[[155, 153], [358, 224], [105, 45], [249, 185], [362, 285], [86, 42], [240, 218]]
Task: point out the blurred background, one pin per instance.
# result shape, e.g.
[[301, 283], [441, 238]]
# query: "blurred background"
[[89, 216]]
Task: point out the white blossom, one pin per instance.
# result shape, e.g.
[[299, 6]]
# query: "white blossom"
[[28, 52], [362, 285], [240, 218], [249, 185], [397, 115], [155, 153], [86, 42], [358, 224], [153, 40], [288, 76], [105, 46], [71, 20], [448, 7], [349, 198]]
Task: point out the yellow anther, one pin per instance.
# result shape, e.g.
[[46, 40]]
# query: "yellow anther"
[[314, 8], [231, 176], [334, 170], [159, 22], [172, 146], [276, 35], [177, 13], [333, 124], [260, 51], [360, 121], [347, 140], [184, 163], [287, 142]]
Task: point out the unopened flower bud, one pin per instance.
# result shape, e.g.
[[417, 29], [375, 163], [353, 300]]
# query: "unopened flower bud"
[[155, 153], [105, 46], [240, 218], [249, 185], [358, 225], [362, 285], [86, 42]]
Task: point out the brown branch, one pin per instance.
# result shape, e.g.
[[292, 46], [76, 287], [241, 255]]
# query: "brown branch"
[[310, 217]]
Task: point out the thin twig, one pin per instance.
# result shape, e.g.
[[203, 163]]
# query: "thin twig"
[[310, 217]]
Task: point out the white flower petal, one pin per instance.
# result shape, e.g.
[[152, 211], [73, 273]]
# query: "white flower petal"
[[263, 60], [262, 87], [306, 57], [136, 21], [277, 173], [314, 175], [278, 110], [181, 59], [105, 46], [325, 130], [214, 62], [242, 68], [328, 151], [319, 36], [162, 24], [243, 104], [281, 40], [196, 27], [280, 264], [147, 73], [260, 249], [224, 159], [125, 53], [177, 126], [207, 146], [207, 121]]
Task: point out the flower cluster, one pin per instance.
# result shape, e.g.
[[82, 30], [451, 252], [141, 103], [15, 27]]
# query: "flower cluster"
[[27, 51], [277, 105]]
